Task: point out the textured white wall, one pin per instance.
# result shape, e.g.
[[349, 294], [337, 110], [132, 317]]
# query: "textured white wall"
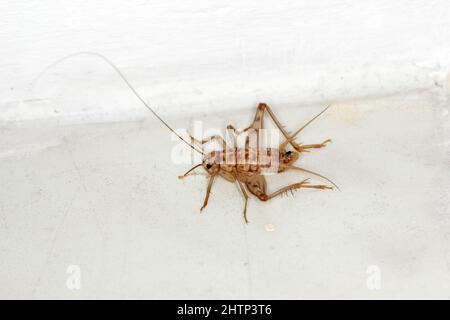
[[187, 56], [105, 197]]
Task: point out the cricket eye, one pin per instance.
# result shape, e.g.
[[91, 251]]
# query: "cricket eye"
[[288, 153], [208, 166]]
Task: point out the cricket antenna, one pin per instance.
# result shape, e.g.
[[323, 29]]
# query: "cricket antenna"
[[303, 127], [126, 82]]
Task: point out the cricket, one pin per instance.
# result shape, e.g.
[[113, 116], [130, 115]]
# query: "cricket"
[[245, 165], [248, 174]]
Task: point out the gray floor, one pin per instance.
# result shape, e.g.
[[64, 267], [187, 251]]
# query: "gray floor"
[[105, 199]]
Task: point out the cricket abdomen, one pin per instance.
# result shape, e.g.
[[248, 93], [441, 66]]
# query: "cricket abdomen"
[[244, 162]]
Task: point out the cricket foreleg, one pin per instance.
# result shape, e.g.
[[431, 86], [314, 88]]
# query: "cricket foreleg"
[[211, 138], [208, 191], [244, 193]]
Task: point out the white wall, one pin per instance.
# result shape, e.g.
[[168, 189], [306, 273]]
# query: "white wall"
[[105, 197], [188, 56]]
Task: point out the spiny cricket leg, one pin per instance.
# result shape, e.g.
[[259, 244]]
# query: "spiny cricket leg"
[[315, 146], [258, 124], [208, 191], [257, 185], [313, 173], [292, 137], [244, 193], [294, 186], [214, 137], [258, 117], [233, 133], [236, 133]]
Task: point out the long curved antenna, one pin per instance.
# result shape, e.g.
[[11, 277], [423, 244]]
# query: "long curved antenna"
[[123, 78], [316, 174]]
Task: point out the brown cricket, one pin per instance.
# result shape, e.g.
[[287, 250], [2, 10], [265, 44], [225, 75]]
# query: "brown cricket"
[[248, 175]]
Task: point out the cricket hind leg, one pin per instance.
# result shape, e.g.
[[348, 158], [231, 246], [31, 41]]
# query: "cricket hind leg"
[[258, 187], [258, 123], [303, 148], [296, 186], [264, 107]]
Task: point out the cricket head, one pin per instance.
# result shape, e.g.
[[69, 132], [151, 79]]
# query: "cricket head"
[[210, 162], [287, 158]]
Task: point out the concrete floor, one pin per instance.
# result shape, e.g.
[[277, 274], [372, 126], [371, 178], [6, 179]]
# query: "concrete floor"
[[103, 199]]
